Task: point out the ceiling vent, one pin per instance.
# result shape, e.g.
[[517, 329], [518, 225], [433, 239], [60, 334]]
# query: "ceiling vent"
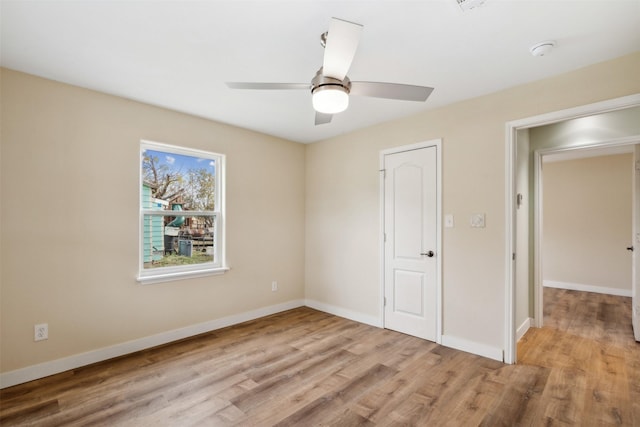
[[469, 4]]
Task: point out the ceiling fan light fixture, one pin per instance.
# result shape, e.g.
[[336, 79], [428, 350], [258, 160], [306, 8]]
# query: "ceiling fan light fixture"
[[330, 99]]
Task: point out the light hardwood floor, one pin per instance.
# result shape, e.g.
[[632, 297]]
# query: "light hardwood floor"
[[304, 367], [593, 360]]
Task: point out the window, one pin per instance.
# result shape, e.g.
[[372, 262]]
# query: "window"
[[181, 213]]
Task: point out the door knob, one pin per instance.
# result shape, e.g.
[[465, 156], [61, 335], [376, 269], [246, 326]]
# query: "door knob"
[[630, 248], [429, 254]]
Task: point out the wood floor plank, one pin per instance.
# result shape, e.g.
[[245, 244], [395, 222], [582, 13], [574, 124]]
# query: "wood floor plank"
[[519, 399], [316, 412], [608, 402], [288, 381], [379, 402], [431, 399], [37, 411], [562, 395], [348, 418], [633, 373], [474, 401]]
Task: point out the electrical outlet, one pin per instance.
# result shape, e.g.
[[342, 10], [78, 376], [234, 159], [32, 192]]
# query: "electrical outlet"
[[41, 332], [274, 286]]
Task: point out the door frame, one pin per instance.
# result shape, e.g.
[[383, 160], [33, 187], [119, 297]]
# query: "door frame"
[[635, 243], [511, 129], [437, 143]]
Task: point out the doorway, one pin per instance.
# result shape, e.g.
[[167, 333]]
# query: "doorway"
[[586, 216], [410, 210], [514, 130], [585, 212]]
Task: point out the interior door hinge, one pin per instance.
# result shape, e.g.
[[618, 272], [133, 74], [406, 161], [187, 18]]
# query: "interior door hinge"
[[384, 173], [385, 301], [513, 256]]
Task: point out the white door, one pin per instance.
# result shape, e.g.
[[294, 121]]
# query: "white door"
[[410, 227], [635, 286]]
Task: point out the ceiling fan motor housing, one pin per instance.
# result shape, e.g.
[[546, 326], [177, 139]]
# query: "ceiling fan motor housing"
[[320, 81]]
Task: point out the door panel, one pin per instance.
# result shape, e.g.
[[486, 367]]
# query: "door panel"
[[410, 222], [408, 293], [408, 201]]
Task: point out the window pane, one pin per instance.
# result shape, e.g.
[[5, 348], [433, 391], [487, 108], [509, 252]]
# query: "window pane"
[[178, 178], [171, 241]]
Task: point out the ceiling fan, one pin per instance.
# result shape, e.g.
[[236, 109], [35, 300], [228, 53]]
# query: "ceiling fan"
[[330, 88]]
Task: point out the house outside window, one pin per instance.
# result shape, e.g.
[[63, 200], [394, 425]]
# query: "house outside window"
[[181, 213]]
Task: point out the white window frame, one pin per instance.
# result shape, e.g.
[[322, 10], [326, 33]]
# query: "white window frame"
[[218, 265]]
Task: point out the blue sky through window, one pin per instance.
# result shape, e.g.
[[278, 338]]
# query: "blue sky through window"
[[182, 163]]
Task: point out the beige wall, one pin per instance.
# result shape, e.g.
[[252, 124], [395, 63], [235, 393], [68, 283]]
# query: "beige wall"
[[69, 187], [587, 221], [342, 211]]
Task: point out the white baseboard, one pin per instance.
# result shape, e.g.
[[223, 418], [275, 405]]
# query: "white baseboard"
[[586, 288], [343, 312], [42, 370], [523, 328], [473, 347]]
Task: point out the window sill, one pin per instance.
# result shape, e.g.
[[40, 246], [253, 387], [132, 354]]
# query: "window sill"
[[169, 277]]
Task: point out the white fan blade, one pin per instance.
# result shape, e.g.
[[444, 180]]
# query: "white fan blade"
[[342, 42], [268, 86], [391, 91], [322, 118]]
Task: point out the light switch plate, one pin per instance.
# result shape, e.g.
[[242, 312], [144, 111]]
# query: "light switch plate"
[[477, 220], [448, 221]]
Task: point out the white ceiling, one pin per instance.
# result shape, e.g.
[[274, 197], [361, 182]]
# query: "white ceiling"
[[178, 54]]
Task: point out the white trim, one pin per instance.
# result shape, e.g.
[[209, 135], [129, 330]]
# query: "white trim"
[[587, 288], [45, 369], [622, 142], [511, 140], [523, 328], [510, 245], [343, 312], [431, 143], [439, 243], [538, 309], [151, 279], [473, 347], [577, 112], [635, 241], [381, 240], [585, 153]]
